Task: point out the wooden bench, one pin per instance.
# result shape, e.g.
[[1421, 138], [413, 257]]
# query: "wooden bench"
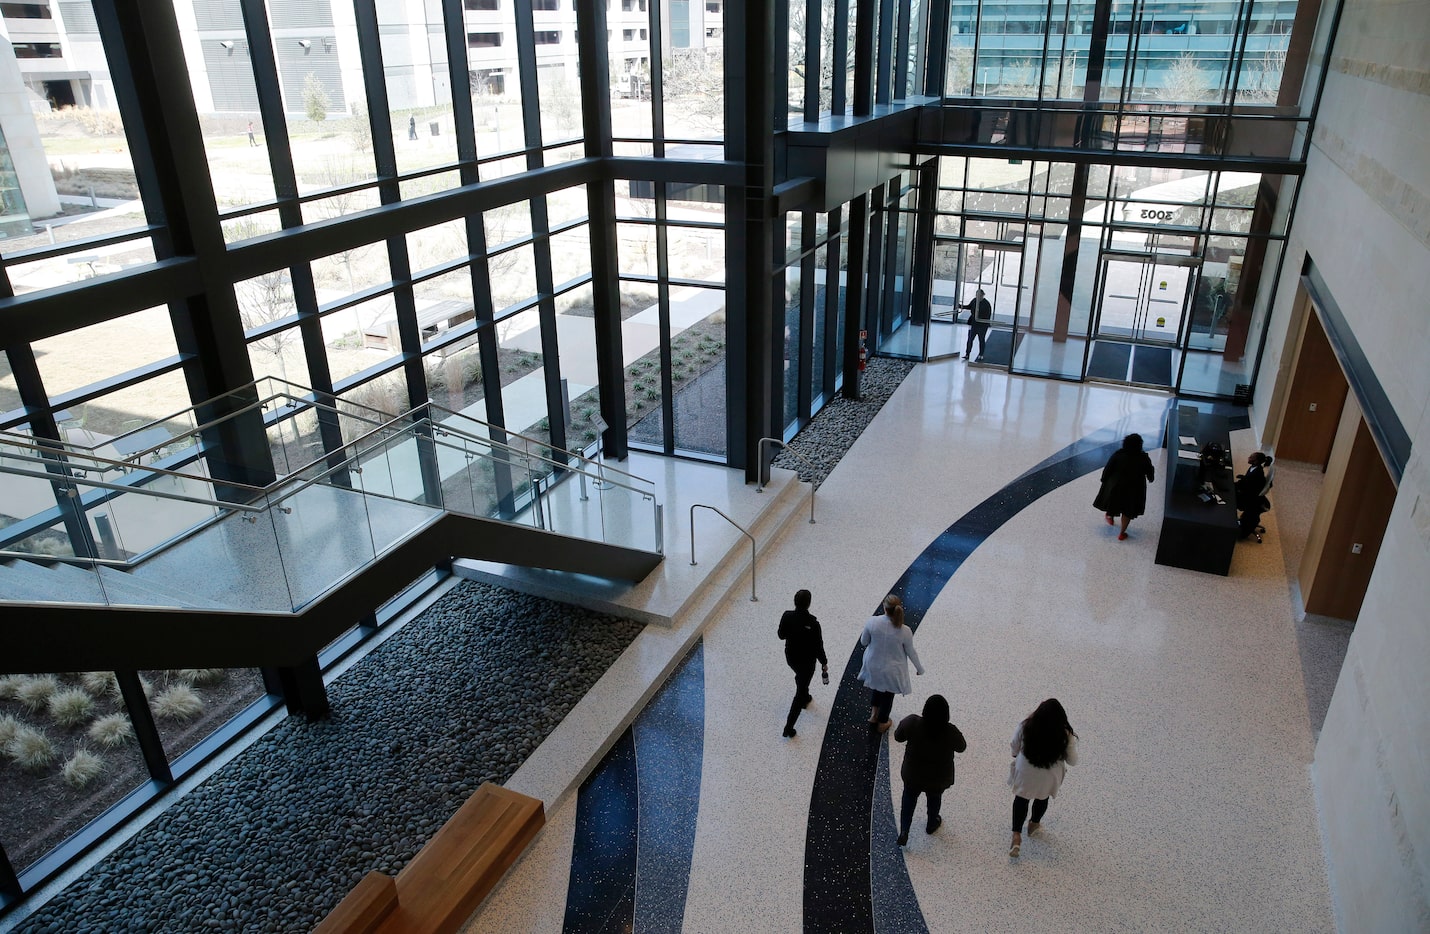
[[448, 878]]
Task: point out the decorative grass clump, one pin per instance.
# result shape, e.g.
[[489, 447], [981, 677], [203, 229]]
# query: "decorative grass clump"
[[8, 726], [10, 686], [71, 707], [82, 768], [35, 691], [179, 702], [112, 731], [30, 749], [99, 682], [199, 675]]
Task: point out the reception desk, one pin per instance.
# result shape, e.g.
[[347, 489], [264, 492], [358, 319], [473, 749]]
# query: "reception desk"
[[1197, 535]]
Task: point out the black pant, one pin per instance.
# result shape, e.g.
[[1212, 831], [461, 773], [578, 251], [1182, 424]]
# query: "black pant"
[[803, 674], [882, 701], [911, 799], [1250, 519], [975, 329], [1020, 811]]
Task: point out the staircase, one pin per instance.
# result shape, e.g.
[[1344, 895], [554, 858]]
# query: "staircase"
[[187, 571]]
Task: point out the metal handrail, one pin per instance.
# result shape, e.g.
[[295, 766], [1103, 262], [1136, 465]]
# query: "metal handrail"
[[581, 457], [753, 598], [760, 453], [125, 488], [106, 462]]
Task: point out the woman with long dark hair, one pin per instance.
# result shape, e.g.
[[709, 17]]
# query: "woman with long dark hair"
[[1124, 483], [928, 761], [888, 649], [1043, 746]]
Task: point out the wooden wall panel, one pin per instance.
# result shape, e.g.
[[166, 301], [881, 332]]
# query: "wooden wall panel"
[[1305, 435]]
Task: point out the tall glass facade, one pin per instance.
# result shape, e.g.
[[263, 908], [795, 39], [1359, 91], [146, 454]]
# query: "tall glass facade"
[[649, 224]]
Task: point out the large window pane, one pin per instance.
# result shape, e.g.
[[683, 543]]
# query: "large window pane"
[[697, 326]]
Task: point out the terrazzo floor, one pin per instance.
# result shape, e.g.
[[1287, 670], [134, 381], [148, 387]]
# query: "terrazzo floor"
[[1191, 808]]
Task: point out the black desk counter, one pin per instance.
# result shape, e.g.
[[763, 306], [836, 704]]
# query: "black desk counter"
[[1197, 535]]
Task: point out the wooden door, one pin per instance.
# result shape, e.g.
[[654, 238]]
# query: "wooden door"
[[1353, 538]]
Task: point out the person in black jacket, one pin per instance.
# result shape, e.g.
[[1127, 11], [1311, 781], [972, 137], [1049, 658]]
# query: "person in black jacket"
[[928, 762], [804, 645], [1251, 490], [1124, 483], [980, 316]]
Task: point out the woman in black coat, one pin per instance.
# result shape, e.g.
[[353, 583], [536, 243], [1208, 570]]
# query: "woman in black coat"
[[928, 762], [1124, 483]]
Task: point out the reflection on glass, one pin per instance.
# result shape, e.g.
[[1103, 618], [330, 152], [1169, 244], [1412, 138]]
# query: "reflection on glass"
[[576, 336], [640, 342], [792, 341], [697, 327]]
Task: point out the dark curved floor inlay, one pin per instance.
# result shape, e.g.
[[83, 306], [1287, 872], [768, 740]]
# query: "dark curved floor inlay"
[[635, 816], [670, 746], [601, 893], [838, 861]]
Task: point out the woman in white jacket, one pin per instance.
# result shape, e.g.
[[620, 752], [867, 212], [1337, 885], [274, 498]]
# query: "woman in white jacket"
[[889, 647], [1044, 745]]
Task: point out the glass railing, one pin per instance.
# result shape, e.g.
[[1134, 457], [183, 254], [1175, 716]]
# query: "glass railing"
[[154, 537]]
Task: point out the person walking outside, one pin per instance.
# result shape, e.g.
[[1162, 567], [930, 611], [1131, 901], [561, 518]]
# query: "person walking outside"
[[888, 649], [980, 316], [412, 127], [804, 645], [1124, 483], [251, 140], [1044, 745], [928, 761]]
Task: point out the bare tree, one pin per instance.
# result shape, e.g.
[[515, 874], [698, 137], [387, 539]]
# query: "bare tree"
[[265, 299], [1186, 83], [798, 44], [694, 87], [1262, 83]]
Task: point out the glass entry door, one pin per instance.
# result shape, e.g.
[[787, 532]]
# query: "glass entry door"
[[1142, 308]]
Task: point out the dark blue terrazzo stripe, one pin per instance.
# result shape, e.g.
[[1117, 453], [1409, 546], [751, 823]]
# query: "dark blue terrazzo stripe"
[[635, 816], [601, 893], [896, 906], [838, 876], [670, 747]]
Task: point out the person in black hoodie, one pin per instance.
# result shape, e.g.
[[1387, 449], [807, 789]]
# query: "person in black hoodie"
[[928, 762], [804, 645]]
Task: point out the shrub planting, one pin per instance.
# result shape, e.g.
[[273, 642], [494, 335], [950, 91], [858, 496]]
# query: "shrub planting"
[[111, 731], [71, 707], [82, 768]]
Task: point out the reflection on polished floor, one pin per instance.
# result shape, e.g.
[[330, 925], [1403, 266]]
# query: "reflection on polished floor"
[[1191, 808]]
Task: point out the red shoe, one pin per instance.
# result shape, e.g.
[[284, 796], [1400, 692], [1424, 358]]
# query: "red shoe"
[[1109, 519], [1122, 536]]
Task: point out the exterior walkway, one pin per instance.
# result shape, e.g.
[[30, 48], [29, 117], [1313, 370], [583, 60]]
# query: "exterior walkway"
[[1191, 807]]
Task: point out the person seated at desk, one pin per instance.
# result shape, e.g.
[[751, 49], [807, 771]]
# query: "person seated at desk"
[[1251, 490]]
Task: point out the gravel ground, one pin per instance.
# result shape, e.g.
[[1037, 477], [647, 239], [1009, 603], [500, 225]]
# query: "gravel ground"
[[271, 842], [459, 696], [834, 430]]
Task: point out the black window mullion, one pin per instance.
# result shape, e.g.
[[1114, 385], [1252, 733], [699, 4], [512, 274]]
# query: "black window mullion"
[[805, 396], [813, 75], [390, 192], [901, 49], [839, 59], [885, 65], [832, 303], [290, 213]]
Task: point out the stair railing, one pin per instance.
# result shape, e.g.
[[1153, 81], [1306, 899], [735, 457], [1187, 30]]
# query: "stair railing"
[[760, 453], [743, 531]]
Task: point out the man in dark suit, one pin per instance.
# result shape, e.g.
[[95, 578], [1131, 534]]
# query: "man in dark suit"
[[980, 316]]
